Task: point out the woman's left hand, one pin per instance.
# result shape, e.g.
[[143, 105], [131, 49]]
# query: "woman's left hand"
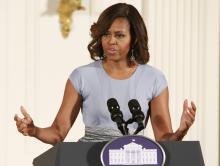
[[188, 116]]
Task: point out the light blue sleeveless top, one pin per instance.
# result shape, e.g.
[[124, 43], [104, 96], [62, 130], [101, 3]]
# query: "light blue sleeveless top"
[[96, 87]]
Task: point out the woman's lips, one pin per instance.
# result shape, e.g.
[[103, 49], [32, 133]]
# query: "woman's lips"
[[111, 51]]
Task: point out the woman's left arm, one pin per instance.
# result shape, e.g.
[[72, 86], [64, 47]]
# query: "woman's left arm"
[[161, 121]]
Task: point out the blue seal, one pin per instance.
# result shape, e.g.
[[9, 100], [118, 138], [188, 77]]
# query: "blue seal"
[[132, 150]]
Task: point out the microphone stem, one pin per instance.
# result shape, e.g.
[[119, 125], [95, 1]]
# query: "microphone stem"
[[123, 128], [139, 128]]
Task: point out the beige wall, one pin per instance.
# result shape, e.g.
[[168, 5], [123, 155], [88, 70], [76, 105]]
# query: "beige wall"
[[35, 62], [185, 45]]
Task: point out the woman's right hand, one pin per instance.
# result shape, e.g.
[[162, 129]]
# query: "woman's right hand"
[[25, 125]]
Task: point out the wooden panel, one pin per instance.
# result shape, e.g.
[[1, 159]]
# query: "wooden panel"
[[3, 80], [184, 47]]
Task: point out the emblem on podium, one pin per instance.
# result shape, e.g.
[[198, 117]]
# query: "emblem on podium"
[[132, 150]]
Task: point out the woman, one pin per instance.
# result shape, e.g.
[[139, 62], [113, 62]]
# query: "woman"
[[119, 48]]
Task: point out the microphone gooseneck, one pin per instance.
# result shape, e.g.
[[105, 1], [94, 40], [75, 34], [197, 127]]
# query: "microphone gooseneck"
[[137, 114], [116, 115]]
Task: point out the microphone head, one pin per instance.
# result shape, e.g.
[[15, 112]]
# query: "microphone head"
[[113, 105], [114, 109], [134, 106], [135, 110]]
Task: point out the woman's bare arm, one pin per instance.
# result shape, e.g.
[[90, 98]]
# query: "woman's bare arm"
[[65, 118], [161, 121]]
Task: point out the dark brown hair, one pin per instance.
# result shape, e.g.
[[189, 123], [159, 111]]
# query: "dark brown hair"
[[139, 38]]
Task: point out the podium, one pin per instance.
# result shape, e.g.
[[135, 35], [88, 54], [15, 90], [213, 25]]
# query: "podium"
[[178, 153]]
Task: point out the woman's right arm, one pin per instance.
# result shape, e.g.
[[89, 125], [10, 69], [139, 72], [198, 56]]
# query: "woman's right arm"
[[65, 118]]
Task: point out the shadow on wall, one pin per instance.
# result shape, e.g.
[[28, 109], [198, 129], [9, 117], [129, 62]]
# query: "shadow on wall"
[[52, 6]]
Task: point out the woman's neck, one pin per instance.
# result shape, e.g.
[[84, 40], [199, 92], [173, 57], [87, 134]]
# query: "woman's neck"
[[119, 70]]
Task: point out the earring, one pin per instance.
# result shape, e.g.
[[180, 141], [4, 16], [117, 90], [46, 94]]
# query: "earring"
[[132, 57], [103, 56]]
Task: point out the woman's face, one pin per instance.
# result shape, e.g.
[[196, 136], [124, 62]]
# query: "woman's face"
[[116, 42]]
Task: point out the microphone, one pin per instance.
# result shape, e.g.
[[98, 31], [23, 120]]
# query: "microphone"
[[137, 114], [116, 115]]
